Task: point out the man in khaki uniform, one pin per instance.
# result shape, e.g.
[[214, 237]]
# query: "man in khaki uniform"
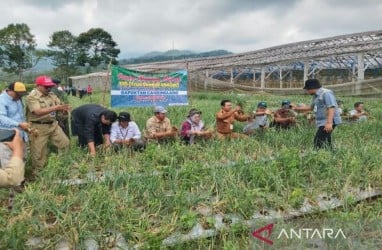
[[158, 127], [42, 106]]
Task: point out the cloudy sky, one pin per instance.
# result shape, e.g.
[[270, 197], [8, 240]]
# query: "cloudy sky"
[[141, 26]]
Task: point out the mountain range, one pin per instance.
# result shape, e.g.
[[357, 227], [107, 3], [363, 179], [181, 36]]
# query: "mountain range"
[[156, 56], [45, 64]]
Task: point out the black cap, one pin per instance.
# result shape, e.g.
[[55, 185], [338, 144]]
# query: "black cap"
[[312, 84], [124, 117], [56, 81]]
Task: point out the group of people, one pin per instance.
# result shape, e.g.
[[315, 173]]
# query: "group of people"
[[81, 91], [95, 125]]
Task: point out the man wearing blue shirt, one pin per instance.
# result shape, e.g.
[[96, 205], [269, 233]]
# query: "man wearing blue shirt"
[[325, 108], [12, 116]]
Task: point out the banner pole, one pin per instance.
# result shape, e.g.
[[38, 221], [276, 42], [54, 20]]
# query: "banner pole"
[[107, 82], [188, 86]]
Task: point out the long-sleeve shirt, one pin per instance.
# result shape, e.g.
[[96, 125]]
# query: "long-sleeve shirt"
[[11, 113], [86, 121], [13, 173], [130, 132]]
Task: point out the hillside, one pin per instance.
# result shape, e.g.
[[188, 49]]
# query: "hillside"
[[156, 56]]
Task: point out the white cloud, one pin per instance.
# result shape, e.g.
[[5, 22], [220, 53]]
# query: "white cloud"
[[140, 26]]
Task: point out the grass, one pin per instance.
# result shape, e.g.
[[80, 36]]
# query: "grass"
[[151, 195]]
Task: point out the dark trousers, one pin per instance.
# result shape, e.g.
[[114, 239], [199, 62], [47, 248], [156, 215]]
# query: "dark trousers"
[[323, 139], [137, 145]]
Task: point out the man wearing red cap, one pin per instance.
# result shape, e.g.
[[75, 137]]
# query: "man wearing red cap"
[[42, 106]]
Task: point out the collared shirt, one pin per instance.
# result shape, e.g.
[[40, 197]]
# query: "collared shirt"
[[130, 132], [36, 100], [322, 101], [11, 113], [153, 125], [355, 112]]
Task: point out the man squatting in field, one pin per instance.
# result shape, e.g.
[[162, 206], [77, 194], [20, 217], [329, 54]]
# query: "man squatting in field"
[[225, 119]]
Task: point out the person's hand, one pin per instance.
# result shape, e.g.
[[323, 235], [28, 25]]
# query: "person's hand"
[[328, 127], [239, 108], [24, 126], [64, 107], [107, 143], [207, 134], [268, 112], [126, 141], [153, 135], [173, 133]]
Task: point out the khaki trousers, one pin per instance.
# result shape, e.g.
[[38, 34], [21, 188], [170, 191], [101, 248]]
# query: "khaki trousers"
[[39, 142]]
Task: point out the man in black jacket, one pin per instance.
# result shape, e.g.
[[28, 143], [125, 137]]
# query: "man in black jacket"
[[92, 123]]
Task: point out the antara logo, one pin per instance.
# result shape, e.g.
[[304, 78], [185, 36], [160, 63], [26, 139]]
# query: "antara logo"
[[268, 229], [310, 233], [302, 233]]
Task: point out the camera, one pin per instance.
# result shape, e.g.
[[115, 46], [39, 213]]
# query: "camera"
[[7, 135]]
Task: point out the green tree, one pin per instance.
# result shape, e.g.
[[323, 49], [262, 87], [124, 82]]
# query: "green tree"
[[96, 47], [17, 49], [63, 52], [63, 48]]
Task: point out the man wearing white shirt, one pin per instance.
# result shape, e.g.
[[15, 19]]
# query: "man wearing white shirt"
[[358, 113], [126, 133]]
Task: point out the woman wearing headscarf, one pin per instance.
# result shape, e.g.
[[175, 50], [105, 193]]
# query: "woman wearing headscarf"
[[193, 127]]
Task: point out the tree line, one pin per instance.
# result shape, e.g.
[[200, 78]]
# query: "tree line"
[[18, 52]]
